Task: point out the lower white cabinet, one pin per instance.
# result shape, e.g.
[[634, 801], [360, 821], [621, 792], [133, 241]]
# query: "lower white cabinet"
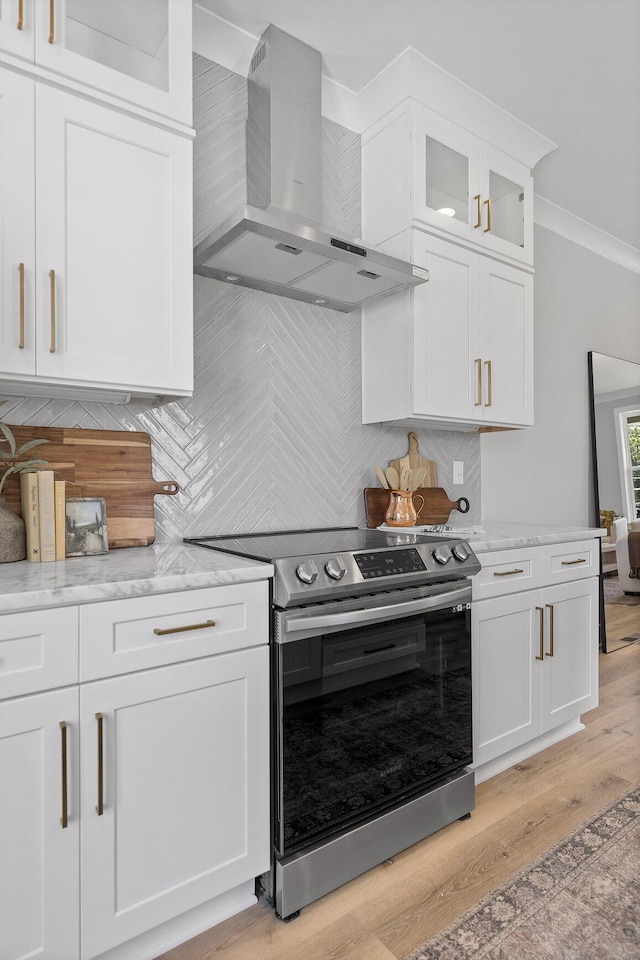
[[39, 879], [129, 800], [535, 652]]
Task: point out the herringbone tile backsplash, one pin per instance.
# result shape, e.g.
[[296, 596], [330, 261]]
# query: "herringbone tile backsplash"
[[273, 437]]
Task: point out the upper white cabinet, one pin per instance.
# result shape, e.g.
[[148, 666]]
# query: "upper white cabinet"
[[447, 179], [138, 52], [457, 350], [96, 259]]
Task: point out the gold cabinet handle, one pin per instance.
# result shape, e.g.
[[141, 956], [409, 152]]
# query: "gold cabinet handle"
[[100, 806], [20, 14], [52, 20], [487, 229], [478, 402], [21, 313], [478, 200], [52, 279], [506, 573], [550, 609], [64, 819], [191, 626], [487, 364], [540, 656], [570, 563]]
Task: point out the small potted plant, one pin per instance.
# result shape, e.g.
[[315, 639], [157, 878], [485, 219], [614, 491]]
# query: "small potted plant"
[[12, 531]]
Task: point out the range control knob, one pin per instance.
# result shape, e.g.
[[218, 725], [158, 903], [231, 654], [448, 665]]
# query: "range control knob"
[[335, 568], [307, 571], [461, 551], [442, 554]]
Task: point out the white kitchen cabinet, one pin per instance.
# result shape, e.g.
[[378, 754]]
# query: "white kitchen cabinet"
[[104, 297], [165, 776], [39, 884], [138, 52], [185, 794], [534, 651], [444, 178], [457, 350]]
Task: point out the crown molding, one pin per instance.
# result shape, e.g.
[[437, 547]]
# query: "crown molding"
[[552, 217]]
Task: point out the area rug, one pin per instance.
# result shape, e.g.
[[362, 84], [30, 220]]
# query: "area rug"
[[613, 593], [580, 901]]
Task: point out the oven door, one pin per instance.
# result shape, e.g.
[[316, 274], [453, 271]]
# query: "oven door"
[[373, 707]]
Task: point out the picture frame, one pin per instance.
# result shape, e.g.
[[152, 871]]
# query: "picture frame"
[[85, 527]]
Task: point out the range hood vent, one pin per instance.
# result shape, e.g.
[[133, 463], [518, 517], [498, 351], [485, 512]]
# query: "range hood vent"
[[276, 242]]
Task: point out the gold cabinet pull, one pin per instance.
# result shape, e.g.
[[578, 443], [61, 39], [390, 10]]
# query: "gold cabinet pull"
[[487, 364], [191, 626], [550, 609], [478, 200], [100, 806], [64, 819], [540, 656], [21, 313], [20, 14], [478, 402], [506, 573], [570, 563], [487, 229], [52, 20], [52, 279]]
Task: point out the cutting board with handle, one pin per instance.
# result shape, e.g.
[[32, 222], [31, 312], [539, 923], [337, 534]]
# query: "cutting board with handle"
[[436, 508], [414, 461], [114, 464]]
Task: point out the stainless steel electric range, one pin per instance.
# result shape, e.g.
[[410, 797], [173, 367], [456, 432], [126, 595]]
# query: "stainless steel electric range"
[[371, 698]]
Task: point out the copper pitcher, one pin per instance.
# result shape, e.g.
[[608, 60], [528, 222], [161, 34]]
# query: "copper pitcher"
[[401, 511]]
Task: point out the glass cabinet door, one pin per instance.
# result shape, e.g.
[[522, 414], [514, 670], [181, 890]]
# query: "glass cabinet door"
[[446, 180], [507, 209]]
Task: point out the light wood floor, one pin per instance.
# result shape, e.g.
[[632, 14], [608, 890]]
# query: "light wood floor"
[[520, 814]]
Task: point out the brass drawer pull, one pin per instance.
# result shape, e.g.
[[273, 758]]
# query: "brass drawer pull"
[[570, 563], [487, 229], [506, 573], [550, 609], [52, 20], [21, 314], [487, 364], [540, 656], [20, 14], [478, 199], [52, 278], [64, 819], [192, 626], [100, 806], [478, 402]]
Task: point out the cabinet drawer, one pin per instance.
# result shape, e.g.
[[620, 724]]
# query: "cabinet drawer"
[[119, 636], [38, 651], [570, 561], [507, 571]]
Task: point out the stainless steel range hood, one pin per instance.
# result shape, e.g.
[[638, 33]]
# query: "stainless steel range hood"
[[276, 242]]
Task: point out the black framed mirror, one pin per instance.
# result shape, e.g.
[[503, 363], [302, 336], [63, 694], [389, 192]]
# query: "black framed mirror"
[[615, 440]]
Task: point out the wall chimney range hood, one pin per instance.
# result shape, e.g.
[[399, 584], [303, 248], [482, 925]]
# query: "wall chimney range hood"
[[276, 242]]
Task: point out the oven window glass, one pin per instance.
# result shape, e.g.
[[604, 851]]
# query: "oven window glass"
[[370, 717]]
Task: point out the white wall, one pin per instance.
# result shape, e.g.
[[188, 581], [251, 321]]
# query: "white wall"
[[582, 302]]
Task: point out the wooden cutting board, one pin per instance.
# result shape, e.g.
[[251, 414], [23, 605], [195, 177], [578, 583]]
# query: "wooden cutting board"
[[413, 461], [437, 507], [114, 464]]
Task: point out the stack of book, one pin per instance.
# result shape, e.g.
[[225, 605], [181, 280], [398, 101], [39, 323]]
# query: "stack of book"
[[43, 512]]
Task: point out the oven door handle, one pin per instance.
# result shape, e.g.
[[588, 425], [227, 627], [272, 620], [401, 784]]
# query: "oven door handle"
[[298, 623]]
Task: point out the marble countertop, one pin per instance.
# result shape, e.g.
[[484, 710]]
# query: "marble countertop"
[[494, 535], [132, 572]]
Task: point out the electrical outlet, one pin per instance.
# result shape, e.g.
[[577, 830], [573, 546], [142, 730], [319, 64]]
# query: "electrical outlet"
[[458, 472]]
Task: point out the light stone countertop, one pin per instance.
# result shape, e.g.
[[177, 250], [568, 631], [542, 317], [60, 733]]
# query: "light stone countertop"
[[130, 572], [495, 535]]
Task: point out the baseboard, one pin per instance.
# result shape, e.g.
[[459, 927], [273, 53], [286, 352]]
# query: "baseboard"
[[493, 767]]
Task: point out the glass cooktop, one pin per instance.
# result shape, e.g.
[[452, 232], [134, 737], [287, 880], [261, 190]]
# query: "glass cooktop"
[[275, 545]]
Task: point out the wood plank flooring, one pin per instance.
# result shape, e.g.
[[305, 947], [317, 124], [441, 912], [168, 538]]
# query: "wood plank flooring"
[[520, 814]]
